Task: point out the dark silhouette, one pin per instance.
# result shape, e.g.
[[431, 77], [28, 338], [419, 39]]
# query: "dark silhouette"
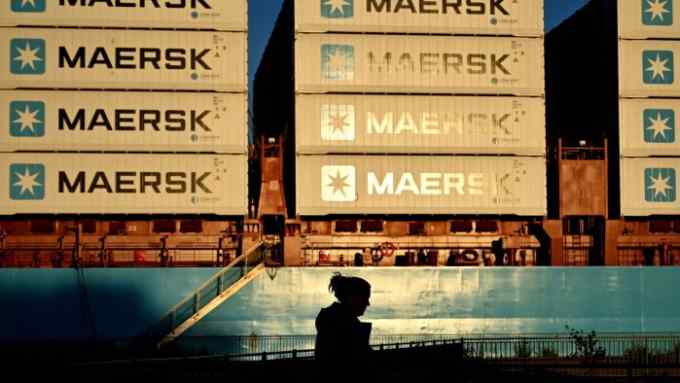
[[340, 336]]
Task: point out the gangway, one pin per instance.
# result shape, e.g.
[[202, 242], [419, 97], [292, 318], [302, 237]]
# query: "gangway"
[[210, 295]]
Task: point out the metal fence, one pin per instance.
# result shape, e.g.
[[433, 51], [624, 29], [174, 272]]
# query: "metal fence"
[[607, 348]]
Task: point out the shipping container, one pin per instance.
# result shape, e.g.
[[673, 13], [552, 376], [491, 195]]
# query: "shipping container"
[[649, 186], [418, 64], [419, 124], [648, 19], [123, 184], [647, 68], [328, 185], [516, 18], [123, 121], [647, 127], [224, 15], [123, 59]]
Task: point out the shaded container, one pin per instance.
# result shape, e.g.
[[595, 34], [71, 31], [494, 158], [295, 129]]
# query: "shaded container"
[[229, 15], [649, 186], [123, 59], [648, 127], [123, 184], [517, 18], [124, 121]]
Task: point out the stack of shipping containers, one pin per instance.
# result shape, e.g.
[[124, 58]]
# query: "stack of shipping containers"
[[649, 91], [649, 110], [611, 70], [407, 108], [123, 108]]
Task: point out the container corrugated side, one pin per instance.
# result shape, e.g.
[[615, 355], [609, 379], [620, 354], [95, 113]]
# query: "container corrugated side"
[[419, 64], [124, 121], [649, 186], [35, 183], [123, 59], [419, 124], [225, 15], [648, 19], [420, 185], [512, 18], [647, 127], [648, 68]]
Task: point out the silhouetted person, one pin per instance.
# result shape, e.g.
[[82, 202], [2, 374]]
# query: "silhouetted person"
[[340, 336]]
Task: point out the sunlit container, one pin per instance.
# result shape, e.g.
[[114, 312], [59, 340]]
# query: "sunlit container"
[[648, 127], [123, 59], [648, 19], [124, 121], [418, 64], [123, 184], [225, 15], [419, 124], [512, 18], [649, 186], [648, 68], [420, 185]]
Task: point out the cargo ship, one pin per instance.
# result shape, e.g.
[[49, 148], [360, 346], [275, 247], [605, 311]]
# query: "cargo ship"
[[382, 134]]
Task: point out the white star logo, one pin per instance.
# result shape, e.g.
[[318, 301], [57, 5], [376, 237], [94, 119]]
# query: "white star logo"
[[659, 126], [27, 119], [336, 5], [660, 185], [338, 183], [658, 67], [28, 56], [27, 181], [337, 122], [657, 9], [337, 61]]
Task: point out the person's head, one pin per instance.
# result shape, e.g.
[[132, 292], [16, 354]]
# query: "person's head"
[[354, 292]]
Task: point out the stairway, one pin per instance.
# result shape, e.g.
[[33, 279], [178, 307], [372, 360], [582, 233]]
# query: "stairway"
[[203, 300]]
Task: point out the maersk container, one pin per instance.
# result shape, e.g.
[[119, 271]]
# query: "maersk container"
[[124, 121], [649, 186], [123, 59], [511, 18], [419, 124], [647, 68], [648, 19], [224, 15], [353, 184], [418, 64], [123, 184], [648, 127]]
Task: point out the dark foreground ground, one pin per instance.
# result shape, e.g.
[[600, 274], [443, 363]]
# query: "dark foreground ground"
[[85, 363]]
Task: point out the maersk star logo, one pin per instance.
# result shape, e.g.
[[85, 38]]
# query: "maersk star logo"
[[657, 12], [658, 67], [338, 183], [27, 56], [338, 122], [27, 181], [337, 62], [27, 119], [337, 9], [28, 5], [660, 185], [659, 125]]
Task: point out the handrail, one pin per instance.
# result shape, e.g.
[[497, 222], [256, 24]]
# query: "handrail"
[[196, 294]]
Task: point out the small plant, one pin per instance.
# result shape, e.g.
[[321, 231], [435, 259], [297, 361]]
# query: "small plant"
[[523, 349], [549, 353], [586, 344]]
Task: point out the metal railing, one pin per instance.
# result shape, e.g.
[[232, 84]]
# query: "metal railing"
[[204, 294]]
